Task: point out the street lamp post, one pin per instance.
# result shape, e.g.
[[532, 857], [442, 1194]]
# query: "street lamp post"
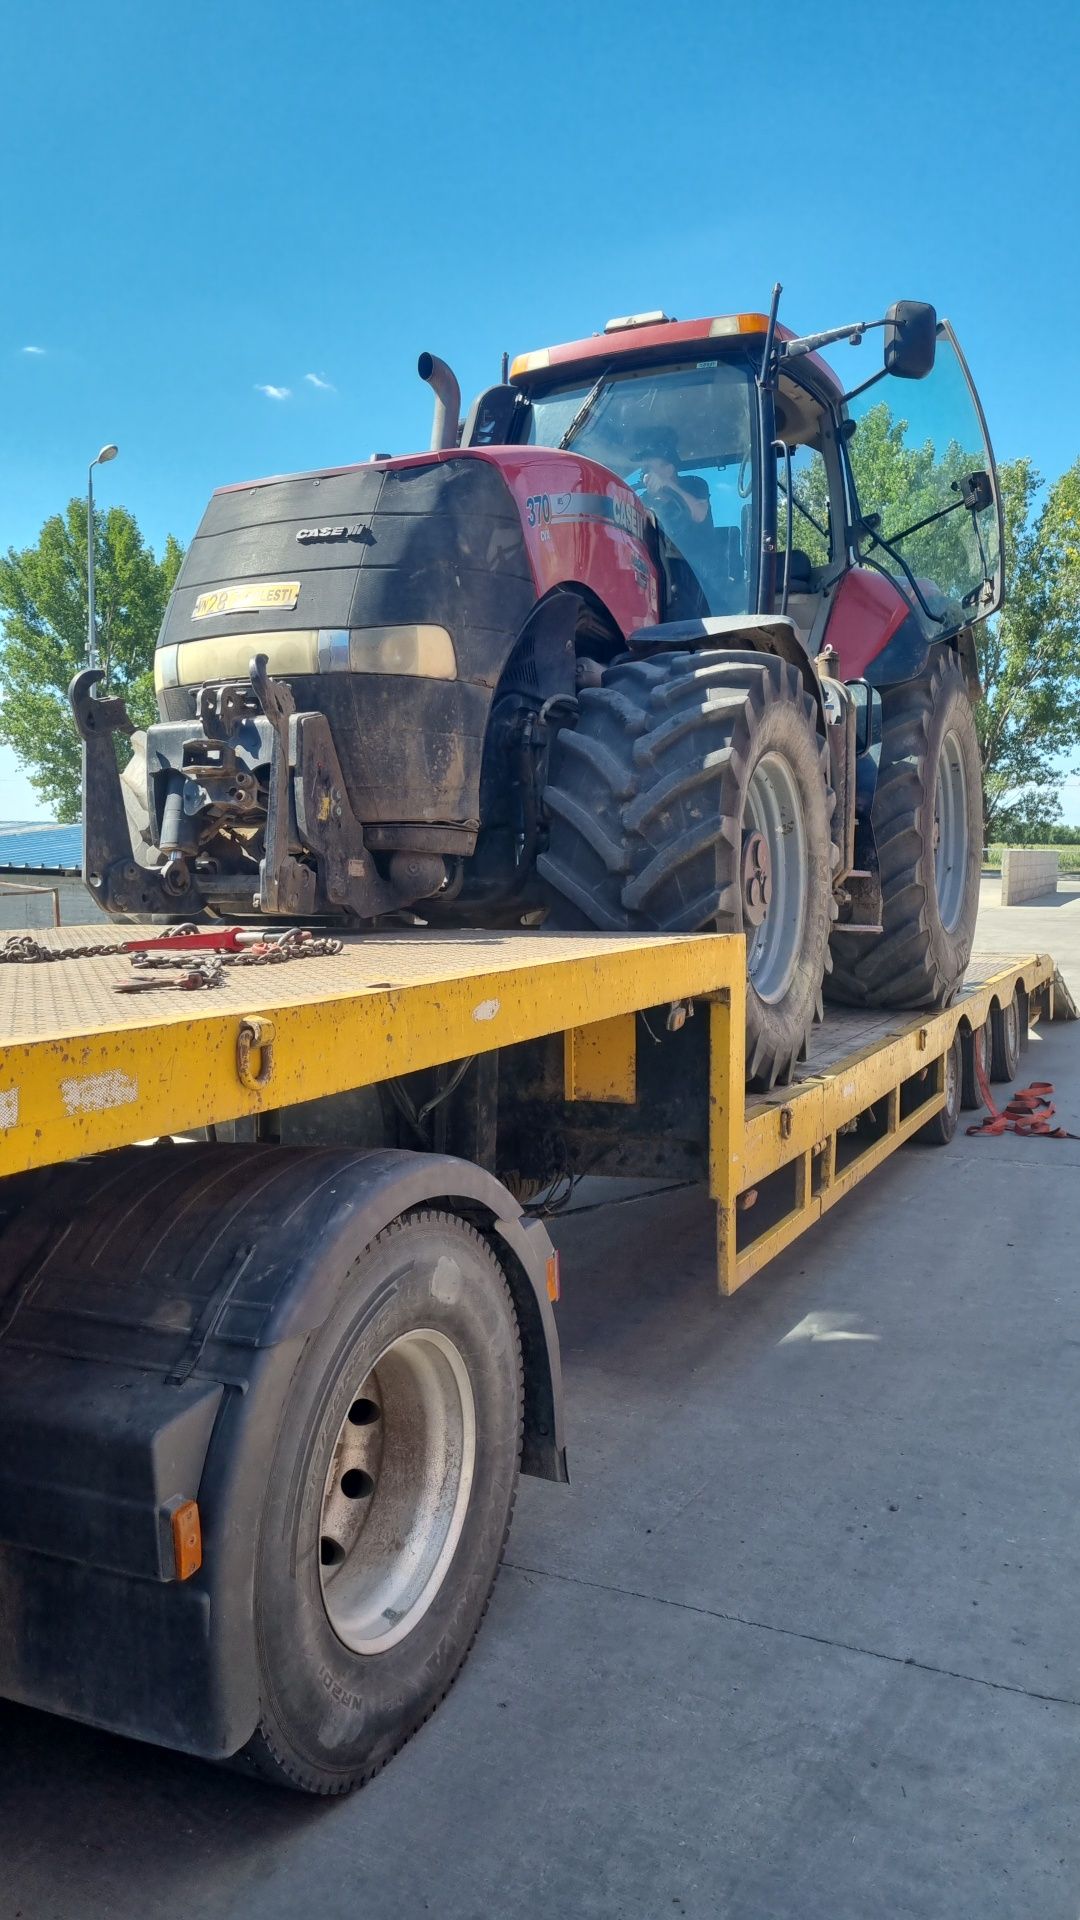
[[106, 454]]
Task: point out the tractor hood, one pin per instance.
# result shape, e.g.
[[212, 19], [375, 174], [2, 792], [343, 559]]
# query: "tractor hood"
[[405, 567]]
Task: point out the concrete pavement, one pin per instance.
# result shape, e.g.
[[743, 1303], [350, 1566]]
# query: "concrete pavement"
[[801, 1642]]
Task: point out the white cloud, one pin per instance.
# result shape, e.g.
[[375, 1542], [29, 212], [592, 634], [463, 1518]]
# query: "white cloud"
[[316, 380], [36, 350], [274, 393]]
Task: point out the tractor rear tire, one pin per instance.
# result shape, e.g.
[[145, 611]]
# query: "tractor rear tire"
[[927, 820], [690, 787]]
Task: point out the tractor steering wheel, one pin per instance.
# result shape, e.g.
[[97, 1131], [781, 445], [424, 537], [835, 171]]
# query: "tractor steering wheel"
[[678, 519]]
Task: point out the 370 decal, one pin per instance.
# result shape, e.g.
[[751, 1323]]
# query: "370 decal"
[[618, 510]]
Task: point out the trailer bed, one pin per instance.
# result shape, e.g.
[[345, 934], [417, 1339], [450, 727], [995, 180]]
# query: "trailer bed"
[[84, 1069]]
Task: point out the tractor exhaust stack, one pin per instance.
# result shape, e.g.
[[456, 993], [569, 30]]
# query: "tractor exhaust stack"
[[443, 382]]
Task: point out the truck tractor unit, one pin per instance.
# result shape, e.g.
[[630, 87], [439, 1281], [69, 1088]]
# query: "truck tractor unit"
[[672, 633]]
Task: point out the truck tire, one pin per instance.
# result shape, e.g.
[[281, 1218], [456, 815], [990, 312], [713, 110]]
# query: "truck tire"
[[940, 1130], [388, 1504], [976, 1045], [927, 819], [694, 794], [1005, 1041]]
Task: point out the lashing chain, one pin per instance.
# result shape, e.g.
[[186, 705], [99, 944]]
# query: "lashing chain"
[[267, 954], [23, 947], [294, 943]]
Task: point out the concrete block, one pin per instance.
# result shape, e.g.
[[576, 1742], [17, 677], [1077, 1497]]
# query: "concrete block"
[[1026, 873]]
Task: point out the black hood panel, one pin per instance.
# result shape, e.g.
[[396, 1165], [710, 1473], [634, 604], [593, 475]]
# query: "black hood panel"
[[439, 543]]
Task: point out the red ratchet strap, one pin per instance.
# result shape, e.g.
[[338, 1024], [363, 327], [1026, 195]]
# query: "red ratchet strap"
[[1029, 1112]]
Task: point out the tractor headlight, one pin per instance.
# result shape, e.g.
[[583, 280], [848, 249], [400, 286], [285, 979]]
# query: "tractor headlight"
[[421, 651], [425, 651]]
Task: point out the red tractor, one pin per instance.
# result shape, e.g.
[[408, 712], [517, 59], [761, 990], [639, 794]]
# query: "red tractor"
[[671, 632]]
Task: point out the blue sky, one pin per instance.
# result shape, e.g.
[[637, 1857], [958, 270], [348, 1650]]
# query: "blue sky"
[[205, 202]]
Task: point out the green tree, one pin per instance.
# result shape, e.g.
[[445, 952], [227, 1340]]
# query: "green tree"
[[43, 610], [1029, 655]]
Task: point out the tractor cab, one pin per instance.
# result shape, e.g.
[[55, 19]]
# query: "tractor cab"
[[774, 491]]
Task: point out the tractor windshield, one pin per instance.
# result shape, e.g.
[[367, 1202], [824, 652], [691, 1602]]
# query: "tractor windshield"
[[683, 438]]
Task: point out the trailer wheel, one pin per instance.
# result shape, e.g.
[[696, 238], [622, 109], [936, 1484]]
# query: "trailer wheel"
[[388, 1504], [1005, 1040], [941, 1129], [694, 794], [976, 1053], [927, 819]]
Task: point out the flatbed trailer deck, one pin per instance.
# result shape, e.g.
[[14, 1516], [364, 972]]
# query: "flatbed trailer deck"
[[158, 1309]]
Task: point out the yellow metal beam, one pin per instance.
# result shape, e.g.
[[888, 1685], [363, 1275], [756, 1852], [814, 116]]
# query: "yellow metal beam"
[[795, 1123], [600, 1061], [83, 1070]]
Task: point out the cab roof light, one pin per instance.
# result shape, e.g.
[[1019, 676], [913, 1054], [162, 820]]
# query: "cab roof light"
[[730, 323], [530, 362], [657, 318]]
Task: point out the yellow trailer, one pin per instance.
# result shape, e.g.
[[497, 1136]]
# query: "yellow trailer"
[[276, 1295]]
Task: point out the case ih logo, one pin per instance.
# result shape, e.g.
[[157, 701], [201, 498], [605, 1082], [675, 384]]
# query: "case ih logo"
[[307, 534]]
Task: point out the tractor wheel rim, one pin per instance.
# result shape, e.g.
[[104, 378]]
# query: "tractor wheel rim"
[[951, 833], [397, 1491], [774, 809]]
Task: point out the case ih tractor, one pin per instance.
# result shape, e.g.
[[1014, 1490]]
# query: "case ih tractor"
[[670, 633]]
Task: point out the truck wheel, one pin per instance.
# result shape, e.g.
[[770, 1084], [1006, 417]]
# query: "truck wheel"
[[388, 1504], [976, 1052], [1005, 1040], [694, 794], [927, 819], [940, 1130]]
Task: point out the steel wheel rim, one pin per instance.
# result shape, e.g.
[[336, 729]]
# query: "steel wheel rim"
[[951, 833], [397, 1491], [1011, 1020], [774, 809], [952, 1081]]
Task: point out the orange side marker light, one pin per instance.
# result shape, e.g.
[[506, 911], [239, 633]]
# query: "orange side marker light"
[[187, 1540]]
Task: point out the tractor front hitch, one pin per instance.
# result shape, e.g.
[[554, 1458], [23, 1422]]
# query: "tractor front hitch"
[[245, 740], [116, 879]]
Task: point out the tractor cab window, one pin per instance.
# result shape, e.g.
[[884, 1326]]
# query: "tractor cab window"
[[683, 438], [926, 508], [809, 505], [801, 565]]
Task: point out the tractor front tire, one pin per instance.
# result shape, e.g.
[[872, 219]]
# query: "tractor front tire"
[[927, 820], [693, 794]]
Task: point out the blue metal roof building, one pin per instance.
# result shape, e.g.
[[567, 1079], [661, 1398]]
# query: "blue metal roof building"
[[40, 847]]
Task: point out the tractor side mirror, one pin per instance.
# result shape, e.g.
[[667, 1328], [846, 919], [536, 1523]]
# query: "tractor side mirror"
[[910, 339], [975, 491]]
